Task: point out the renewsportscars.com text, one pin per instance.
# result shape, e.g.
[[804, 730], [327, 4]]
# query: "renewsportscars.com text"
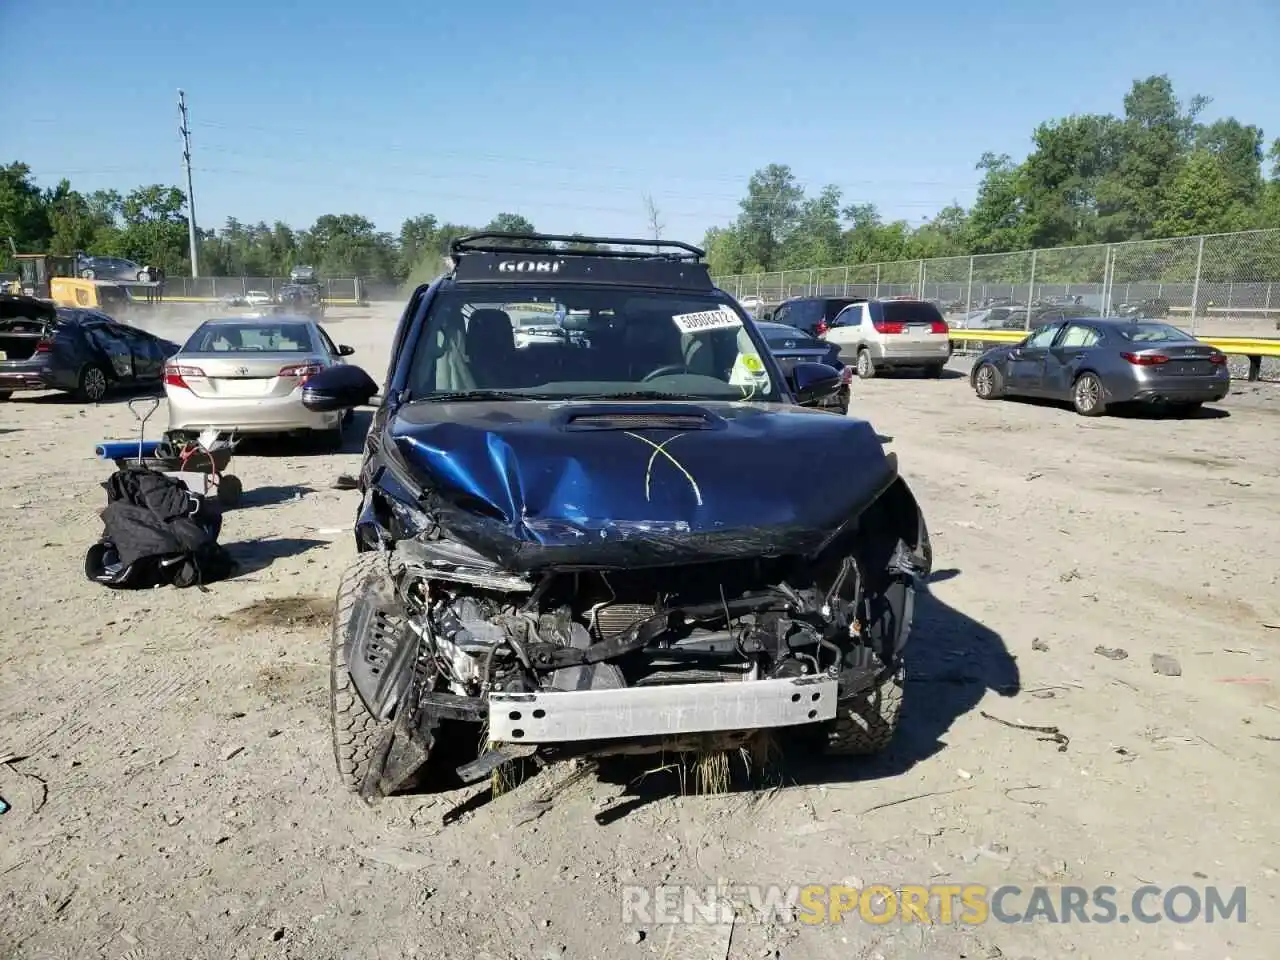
[[969, 904]]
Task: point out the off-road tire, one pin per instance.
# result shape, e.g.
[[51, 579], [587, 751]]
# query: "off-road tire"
[[864, 366], [866, 722], [93, 384], [355, 731], [1088, 396], [988, 384]]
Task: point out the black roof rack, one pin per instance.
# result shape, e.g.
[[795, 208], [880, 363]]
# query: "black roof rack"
[[517, 243]]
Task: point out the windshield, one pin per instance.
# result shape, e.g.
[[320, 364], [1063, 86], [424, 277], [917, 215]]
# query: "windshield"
[[250, 337], [603, 342], [1153, 333]]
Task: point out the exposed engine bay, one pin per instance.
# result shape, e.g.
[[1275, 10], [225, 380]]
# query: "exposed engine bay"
[[649, 659]]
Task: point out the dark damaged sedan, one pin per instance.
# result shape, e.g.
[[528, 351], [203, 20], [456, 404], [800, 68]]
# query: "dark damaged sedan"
[[610, 542], [1099, 363], [82, 352]]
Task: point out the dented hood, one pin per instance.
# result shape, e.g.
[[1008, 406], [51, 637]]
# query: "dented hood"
[[567, 483]]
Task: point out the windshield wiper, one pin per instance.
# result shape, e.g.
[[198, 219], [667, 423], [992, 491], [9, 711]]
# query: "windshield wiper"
[[473, 395]]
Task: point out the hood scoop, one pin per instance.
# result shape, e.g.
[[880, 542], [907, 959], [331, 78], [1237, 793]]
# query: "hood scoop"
[[640, 420]]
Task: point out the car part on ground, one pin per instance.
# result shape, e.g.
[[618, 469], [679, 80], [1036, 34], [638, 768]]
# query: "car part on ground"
[[892, 334], [610, 544], [246, 376], [83, 352], [1099, 363]]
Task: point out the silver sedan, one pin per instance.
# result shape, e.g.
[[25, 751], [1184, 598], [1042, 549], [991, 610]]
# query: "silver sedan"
[[245, 375]]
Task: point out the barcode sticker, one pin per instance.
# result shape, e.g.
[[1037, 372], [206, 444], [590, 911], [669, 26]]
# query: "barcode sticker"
[[704, 320]]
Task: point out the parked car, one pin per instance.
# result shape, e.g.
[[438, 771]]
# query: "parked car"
[[790, 346], [891, 334], [1156, 308], [811, 314], [109, 268], [615, 547], [1097, 363], [82, 352], [246, 375], [258, 298], [302, 298]]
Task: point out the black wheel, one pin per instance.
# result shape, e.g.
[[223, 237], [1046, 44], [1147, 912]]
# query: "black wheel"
[[988, 383], [93, 384], [229, 490], [5, 395], [867, 722], [935, 372], [865, 366], [355, 731], [1087, 396]]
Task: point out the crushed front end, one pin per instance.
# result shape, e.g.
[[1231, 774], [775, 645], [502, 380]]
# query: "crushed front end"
[[565, 637]]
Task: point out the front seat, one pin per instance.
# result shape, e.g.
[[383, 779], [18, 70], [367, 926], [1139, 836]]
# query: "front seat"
[[491, 349], [651, 341], [698, 356]]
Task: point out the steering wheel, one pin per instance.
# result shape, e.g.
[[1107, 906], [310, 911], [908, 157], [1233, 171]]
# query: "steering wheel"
[[664, 371]]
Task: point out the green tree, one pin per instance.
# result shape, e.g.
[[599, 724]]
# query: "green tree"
[[770, 213], [515, 223], [1199, 200], [24, 213]]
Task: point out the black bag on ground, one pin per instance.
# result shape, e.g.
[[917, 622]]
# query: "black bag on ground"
[[157, 532]]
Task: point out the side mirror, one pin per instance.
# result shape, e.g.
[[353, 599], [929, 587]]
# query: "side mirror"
[[338, 388], [345, 351], [813, 382]]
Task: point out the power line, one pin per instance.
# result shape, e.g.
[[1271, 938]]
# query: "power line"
[[571, 186], [473, 156]]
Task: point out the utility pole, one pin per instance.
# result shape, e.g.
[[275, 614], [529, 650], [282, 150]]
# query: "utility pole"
[[185, 130]]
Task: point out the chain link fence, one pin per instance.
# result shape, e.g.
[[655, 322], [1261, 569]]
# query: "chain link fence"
[[1219, 285], [339, 289]]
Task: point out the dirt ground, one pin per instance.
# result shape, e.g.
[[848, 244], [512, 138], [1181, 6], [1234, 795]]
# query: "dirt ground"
[[175, 796]]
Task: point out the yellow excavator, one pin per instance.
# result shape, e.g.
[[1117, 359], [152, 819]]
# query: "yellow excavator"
[[56, 278]]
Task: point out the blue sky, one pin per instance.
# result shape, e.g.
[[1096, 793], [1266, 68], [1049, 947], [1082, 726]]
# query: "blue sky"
[[569, 112]]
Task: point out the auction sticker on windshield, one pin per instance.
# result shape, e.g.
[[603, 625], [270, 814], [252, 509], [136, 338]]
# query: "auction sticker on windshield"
[[703, 320]]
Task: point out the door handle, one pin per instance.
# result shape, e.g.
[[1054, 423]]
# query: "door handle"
[[1079, 356]]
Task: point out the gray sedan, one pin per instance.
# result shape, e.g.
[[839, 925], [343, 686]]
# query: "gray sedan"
[[1096, 363]]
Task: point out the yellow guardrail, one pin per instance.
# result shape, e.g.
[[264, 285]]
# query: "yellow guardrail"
[[1240, 346]]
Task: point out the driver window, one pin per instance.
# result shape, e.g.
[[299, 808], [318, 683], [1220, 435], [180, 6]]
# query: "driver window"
[[1043, 337]]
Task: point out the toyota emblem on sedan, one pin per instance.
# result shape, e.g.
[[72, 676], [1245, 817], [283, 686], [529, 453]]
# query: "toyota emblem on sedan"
[[242, 371]]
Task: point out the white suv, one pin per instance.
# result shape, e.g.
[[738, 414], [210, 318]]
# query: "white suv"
[[891, 334]]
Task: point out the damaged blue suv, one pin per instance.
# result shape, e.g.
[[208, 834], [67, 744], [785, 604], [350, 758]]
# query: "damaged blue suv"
[[591, 525]]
